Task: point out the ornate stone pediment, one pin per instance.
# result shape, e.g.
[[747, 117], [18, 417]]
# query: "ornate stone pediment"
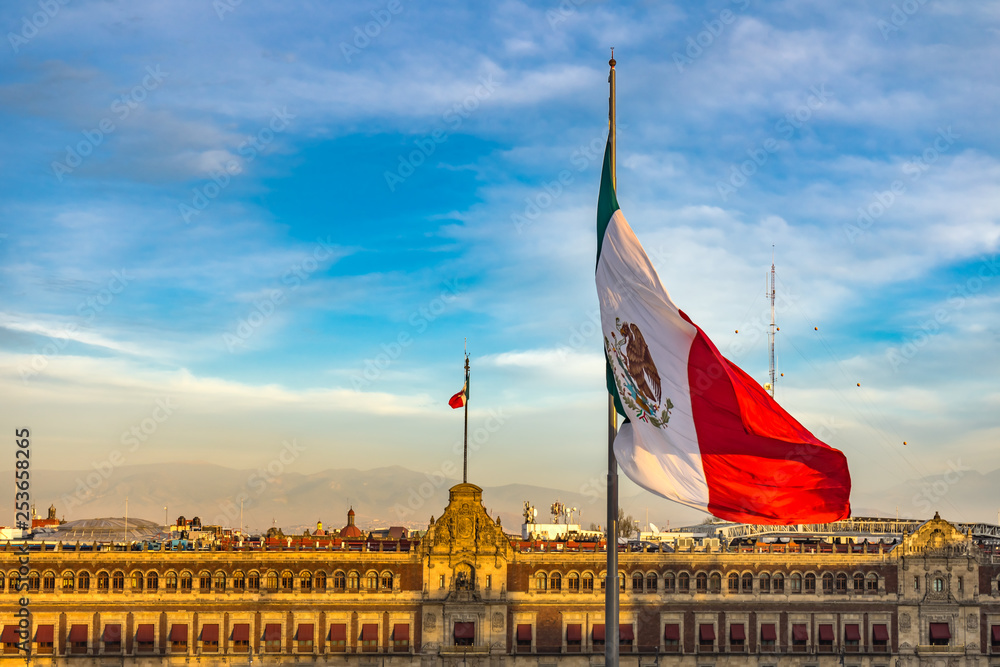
[[937, 536], [466, 529]]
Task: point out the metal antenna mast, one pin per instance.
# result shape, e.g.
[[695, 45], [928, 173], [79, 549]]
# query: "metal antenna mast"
[[770, 333]]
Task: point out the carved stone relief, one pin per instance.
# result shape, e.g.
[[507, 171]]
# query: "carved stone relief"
[[904, 622], [497, 621]]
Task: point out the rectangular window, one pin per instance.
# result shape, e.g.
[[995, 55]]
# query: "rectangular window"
[[304, 638], [272, 638], [598, 633], [489, 581], [574, 637], [524, 635], [961, 585], [338, 637], [916, 583], [441, 582], [672, 637], [369, 637], [144, 636], [768, 636], [401, 637]]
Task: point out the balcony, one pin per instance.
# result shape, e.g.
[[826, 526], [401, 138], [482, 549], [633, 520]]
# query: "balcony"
[[927, 649]]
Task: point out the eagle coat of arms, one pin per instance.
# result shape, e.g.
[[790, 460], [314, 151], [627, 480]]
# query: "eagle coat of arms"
[[636, 376]]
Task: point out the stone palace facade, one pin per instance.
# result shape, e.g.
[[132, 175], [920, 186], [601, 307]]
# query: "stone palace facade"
[[467, 594]]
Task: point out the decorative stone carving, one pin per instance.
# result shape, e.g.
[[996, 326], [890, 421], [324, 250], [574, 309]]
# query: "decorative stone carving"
[[904, 622], [972, 622], [497, 621], [430, 622]]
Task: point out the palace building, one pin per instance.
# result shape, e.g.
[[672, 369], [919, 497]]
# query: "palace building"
[[466, 593]]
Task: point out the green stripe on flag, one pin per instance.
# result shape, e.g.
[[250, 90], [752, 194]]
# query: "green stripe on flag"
[[607, 204]]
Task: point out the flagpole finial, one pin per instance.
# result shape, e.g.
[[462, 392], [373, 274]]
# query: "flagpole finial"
[[612, 61]]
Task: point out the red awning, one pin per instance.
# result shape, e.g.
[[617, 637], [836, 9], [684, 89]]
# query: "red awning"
[[625, 632], [401, 632], [800, 633], [178, 633], [880, 632], [210, 632], [940, 631], [241, 632], [465, 630], [45, 633], [706, 632], [369, 632], [598, 632], [112, 633], [574, 632], [305, 632], [78, 633], [996, 633], [672, 632], [852, 632], [826, 632], [272, 632], [736, 632], [523, 632], [144, 632], [11, 634], [767, 632], [338, 632]]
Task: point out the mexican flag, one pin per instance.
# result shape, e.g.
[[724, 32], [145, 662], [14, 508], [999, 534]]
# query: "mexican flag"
[[461, 398], [698, 430]]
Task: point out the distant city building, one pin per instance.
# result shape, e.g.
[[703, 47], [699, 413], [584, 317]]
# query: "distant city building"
[[466, 593]]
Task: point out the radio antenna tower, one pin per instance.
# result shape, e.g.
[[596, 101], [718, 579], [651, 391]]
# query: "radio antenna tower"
[[770, 332]]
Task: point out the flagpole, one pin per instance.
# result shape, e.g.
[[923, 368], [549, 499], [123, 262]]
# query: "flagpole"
[[611, 582], [465, 448]]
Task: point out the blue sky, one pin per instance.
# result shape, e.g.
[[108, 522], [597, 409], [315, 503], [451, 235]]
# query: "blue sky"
[[284, 219]]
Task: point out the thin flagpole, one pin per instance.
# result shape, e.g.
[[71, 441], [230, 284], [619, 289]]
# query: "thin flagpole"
[[611, 582], [465, 448]]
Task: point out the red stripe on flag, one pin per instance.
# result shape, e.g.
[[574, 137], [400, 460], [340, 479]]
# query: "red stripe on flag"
[[458, 400], [761, 465]]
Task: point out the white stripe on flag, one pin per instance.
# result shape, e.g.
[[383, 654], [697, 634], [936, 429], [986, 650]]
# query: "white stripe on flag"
[[664, 460]]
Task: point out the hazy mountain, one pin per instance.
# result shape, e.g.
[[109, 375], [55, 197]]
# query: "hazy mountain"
[[396, 496]]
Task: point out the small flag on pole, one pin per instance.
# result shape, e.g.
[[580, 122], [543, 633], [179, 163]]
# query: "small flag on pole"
[[698, 430], [459, 399]]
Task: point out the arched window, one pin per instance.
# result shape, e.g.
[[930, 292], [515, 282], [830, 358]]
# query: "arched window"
[[239, 581], [152, 581], [573, 582], [796, 580], [701, 582], [187, 581], [118, 581], [253, 580], [588, 582], [541, 581], [827, 583], [555, 582], [83, 581], [287, 581], [637, 582], [747, 583], [734, 583], [321, 581], [306, 581], [715, 583], [170, 581], [205, 581], [684, 582], [810, 582], [3, 582], [353, 580], [778, 582], [68, 580], [219, 581], [34, 581], [271, 581], [938, 584], [871, 583], [621, 581], [103, 581], [651, 582], [669, 582], [371, 581], [339, 580], [49, 582], [841, 582], [859, 582], [136, 581], [765, 582]]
